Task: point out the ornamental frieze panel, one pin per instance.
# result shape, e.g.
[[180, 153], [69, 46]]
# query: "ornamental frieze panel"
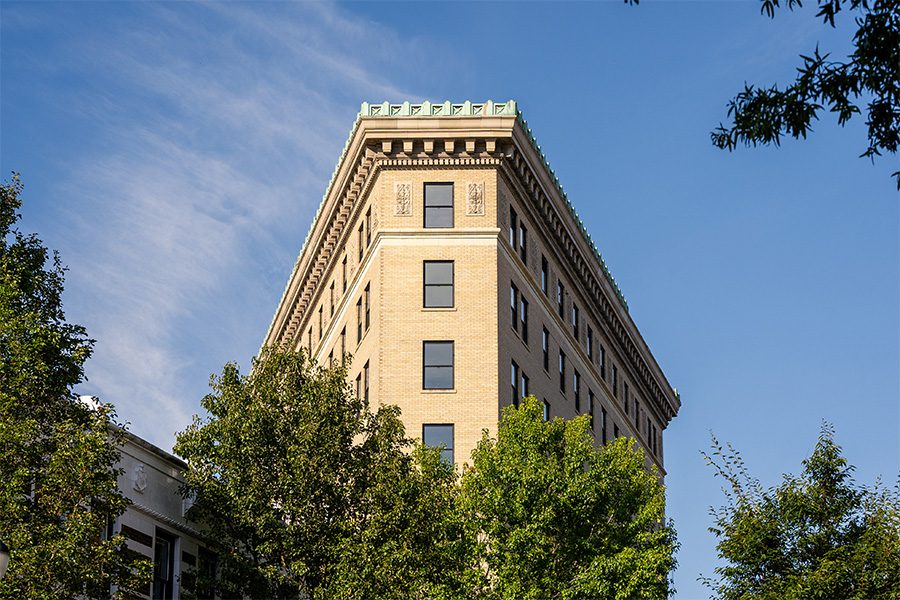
[[403, 199], [475, 198]]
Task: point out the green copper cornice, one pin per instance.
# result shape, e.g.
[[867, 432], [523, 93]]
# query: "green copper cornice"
[[489, 109]]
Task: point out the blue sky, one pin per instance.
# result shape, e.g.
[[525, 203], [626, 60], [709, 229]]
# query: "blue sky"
[[175, 154]]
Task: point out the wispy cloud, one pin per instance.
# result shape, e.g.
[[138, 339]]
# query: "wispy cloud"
[[217, 129]]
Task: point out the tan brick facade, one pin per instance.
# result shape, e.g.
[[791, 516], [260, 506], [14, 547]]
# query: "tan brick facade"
[[369, 237]]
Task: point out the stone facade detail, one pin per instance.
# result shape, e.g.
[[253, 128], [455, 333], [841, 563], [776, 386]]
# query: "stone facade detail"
[[475, 198], [403, 199]]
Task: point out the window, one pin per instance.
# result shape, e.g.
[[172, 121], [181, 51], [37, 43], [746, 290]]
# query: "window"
[[575, 319], [523, 243], [637, 412], [603, 425], [163, 565], [513, 228], [438, 282], [366, 381], [321, 322], [360, 238], [437, 365], [603, 362], [368, 227], [206, 571], [625, 395], [545, 347], [590, 343], [359, 321], [344, 346], [439, 436], [544, 274], [331, 358], [562, 371], [576, 387], [309, 339], [591, 406], [331, 296], [438, 205], [367, 296], [649, 434], [523, 318], [344, 273], [513, 305], [615, 431], [514, 382], [560, 299], [546, 410], [523, 379], [615, 381], [359, 386]]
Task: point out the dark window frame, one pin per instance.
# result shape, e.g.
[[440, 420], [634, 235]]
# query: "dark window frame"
[[426, 285], [545, 348], [451, 366], [426, 206], [451, 449]]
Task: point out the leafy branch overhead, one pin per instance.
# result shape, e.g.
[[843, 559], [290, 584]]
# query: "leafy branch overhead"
[[871, 74]]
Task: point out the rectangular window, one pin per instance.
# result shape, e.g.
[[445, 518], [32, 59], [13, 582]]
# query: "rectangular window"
[[514, 382], [545, 276], [637, 412], [562, 371], [439, 436], [575, 320], [615, 431], [344, 273], [368, 227], [331, 358], [523, 318], [360, 237], [603, 362], [649, 434], [591, 406], [321, 322], [560, 299], [513, 305], [546, 410], [367, 296], [576, 387], [590, 343], [615, 381], [545, 347], [331, 296], [513, 228], [523, 243], [366, 381], [359, 386], [163, 565], [438, 205], [359, 321], [603, 425], [344, 346], [437, 365], [438, 282], [625, 394], [309, 339], [523, 379]]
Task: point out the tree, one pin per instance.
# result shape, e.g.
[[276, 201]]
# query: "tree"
[[818, 535], [58, 480], [557, 517], [308, 493], [871, 74]]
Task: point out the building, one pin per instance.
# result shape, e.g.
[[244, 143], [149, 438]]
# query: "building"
[[447, 260], [155, 525]]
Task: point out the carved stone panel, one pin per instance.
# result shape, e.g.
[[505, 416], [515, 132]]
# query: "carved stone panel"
[[475, 198], [403, 198], [139, 479]]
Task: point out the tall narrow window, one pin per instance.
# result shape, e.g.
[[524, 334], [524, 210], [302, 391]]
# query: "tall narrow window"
[[359, 321], [523, 243], [437, 365], [625, 393], [603, 425], [513, 305], [514, 382], [366, 381], [513, 228], [546, 410], [637, 412], [163, 565], [367, 295], [523, 381], [615, 431], [650, 434], [331, 296], [576, 388], [438, 284], [603, 362], [591, 406], [575, 320], [309, 339], [590, 343], [560, 299], [344, 346], [545, 276], [359, 385], [360, 238], [545, 347], [321, 322], [562, 371], [438, 205], [331, 358], [344, 273], [368, 227], [615, 381], [439, 436], [523, 318]]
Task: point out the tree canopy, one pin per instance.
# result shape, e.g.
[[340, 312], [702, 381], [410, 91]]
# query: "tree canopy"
[[58, 480], [870, 75], [817, 535]]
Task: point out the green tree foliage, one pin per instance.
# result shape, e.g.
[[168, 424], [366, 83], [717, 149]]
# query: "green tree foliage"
[[870, 74], [308, 493], [818, 535], [58, 481], [557, 517]]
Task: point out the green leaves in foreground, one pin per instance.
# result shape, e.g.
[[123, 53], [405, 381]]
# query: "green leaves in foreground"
[[818, 535]]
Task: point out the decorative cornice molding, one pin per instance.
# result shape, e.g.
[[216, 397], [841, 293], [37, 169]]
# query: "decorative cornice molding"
[[440, 109]]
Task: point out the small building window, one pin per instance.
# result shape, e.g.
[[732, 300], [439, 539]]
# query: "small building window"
[[438, 283], [359, 321], [576, 388], [513, 305], [523, 380], [545, 276], [615, 382], [523, 318], [514, 382], [344, 273], [321, 322], [163, 565], [575, 320], [439, 436], [367, 295], [366, 382], [546, 410], [545, 347], [603, 362], [562, 371], [513, 228], [438, 205], [591, 406], [590, 343], [437, 365], [368, 227], [603, 425], [625, 385], [344, 346], [331, 296], [523, 243], [615, 431], [560, 299], [360, 238]]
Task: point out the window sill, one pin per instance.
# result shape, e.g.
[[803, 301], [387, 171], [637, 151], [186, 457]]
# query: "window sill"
[[438, 309], [451, 391]]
